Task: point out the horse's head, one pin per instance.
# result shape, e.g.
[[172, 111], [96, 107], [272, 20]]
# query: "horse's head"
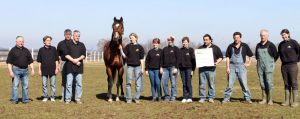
[[118, 30]]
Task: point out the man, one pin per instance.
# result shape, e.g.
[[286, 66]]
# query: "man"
[[208, 74], [266, 55], [48, 67], [62, 49], [74, 68], [18, 59], [169, 68], [238, 58]]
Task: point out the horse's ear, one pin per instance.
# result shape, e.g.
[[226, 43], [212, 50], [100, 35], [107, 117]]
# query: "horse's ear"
[[121, 19], [115, 19]]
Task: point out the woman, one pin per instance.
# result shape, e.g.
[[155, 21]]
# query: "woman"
[[187, 65], [289, 50], [153, 69]]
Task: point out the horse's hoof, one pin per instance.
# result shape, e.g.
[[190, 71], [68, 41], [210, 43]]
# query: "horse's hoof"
[[117, 99], [110, 100]]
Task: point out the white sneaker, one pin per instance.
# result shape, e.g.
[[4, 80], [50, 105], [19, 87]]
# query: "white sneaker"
[[183, 100], [202, 100], [52, 99], [45, 100], [211, 100], [189, 100]]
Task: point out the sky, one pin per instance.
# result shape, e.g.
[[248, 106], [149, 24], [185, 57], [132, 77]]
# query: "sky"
[[34, 19]]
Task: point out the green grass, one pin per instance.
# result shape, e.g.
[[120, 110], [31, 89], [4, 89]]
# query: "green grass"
[[95, 106]]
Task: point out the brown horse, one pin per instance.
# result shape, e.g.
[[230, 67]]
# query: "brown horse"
[[113, 59]]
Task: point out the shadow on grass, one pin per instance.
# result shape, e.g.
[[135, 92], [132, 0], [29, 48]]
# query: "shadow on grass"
[[103, 96], [41, 98]]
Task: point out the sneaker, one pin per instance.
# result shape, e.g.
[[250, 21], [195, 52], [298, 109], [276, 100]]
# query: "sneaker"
[[137, 101], [211, 100], [52, 99], [128, 101], [248, 101], [183, 100], [172, 99], [45, 100], [14, 102], [189, 100], [67, 102], [225, 101], [202, 100], [78, 102], [166, 100]]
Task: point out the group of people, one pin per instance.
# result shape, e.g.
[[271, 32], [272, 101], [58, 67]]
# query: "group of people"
[[67, 58], [162, 66]]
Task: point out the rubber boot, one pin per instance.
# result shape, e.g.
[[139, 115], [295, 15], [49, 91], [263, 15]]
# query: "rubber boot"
[[264, 98], [295, 98], [287, 98]]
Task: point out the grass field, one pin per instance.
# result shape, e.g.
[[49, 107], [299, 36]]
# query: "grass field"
[[95, 105]]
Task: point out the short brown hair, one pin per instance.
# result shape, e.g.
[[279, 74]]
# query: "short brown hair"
[[156, 40], [185, 38], [134, 35], [237, 33], [285, 31], [46, 37]]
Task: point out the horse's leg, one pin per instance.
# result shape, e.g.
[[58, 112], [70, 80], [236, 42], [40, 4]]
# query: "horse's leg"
[[110, 83], [120, 80]]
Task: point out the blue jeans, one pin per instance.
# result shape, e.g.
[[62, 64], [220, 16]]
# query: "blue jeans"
[[63, 80], [20, 74], [173, 77], [78, 86], [138, 82], [45, 84], [240, 72], [207, 74], [187, 83], [155, 83]]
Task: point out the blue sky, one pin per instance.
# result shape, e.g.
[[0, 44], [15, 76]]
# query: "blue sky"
[[34, 19]]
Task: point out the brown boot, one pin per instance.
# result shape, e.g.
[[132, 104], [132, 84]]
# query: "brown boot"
[[264, 98], [287, 98]]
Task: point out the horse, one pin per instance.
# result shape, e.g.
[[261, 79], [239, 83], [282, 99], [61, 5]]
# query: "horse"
[[113, 59]]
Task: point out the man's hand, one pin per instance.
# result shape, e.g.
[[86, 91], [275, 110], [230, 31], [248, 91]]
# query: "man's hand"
[[56, 70], [11, 74], [161, 71], [147, 73], [246, 65], [40, 72], [78, 63], [174, 71], [228, 70]]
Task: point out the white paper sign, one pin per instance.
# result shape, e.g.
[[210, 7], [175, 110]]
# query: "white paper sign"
[[204, 57]]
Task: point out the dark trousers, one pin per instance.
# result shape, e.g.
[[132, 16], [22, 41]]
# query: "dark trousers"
[[289, 74], [185, 74]]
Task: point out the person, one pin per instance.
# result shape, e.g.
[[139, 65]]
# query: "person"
[[134, 54], [74, 68], [48, 67], [238, 58], [62, 49], [208, 73], [266, 56], [186, 65], [169, 69], [289, 51], [153, 69], [18, 59]]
